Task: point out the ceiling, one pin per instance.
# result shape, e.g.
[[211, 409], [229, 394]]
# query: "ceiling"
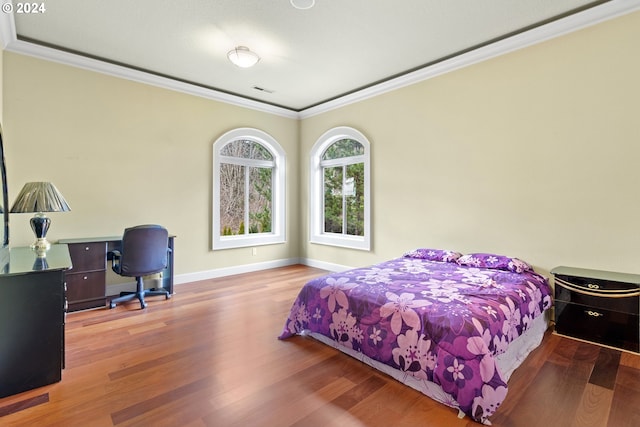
[[308, 57]]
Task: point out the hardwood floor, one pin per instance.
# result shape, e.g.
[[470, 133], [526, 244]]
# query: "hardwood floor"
[[210, 356]]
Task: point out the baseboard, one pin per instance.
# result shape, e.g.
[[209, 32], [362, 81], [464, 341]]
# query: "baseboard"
[[121, 287], [229, 271], [324, 265], [130, 286], [249, 268]]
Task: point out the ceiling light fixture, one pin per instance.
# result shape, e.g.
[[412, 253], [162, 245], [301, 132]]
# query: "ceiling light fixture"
[[243, 57], [303, 4]]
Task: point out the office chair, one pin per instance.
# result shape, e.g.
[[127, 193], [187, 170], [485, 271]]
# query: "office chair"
[[144, 251]]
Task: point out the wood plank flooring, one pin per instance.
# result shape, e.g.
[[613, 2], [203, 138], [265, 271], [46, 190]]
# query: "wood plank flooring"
[[210, 356]]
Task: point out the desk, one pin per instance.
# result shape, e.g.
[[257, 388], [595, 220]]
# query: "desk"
[[32, 305], [87, 280]]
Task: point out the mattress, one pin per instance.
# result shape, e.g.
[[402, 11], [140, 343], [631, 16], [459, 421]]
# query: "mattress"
[[452, 326]]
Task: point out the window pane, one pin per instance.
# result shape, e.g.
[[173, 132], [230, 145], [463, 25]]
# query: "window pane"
[[333, 200], [260, 190], [246, 149], [343, 148], [248, 190], [354, 199], [231, 199]]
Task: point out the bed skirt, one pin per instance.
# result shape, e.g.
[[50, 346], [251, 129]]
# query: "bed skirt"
[[507, 362]]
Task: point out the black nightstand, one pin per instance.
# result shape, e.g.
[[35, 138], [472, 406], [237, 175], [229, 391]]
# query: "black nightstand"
[[602, 307]]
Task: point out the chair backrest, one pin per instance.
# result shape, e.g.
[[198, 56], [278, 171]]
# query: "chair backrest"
[[144, 250]]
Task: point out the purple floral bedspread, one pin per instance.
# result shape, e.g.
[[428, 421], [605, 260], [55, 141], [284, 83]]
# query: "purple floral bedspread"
[[438, 321]]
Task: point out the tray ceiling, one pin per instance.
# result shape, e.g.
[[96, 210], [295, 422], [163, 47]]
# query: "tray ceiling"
[[308, 57]]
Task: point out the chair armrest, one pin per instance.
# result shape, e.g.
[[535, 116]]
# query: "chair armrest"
[[115, 256]]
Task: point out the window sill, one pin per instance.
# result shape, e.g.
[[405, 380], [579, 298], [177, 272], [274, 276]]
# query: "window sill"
[[233, 242], [350, 242]]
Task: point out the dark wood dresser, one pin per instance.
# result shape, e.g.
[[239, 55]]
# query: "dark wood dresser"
[[602, 307], [32, 316]]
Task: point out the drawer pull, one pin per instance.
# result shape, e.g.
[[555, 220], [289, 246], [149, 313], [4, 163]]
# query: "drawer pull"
[[592, 286], [603, 293], [594, 313], [85, 277], [86, 248]]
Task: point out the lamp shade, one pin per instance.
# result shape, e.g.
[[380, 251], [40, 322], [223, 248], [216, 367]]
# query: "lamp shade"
[[39, 197], [243, 57]]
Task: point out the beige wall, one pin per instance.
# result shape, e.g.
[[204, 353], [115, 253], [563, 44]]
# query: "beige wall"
[[532, 154], [124, 153]]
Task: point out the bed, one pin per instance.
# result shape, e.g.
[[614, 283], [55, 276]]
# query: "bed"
[[452, 326]]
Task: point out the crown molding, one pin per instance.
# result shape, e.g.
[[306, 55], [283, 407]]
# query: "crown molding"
[[103, 67], [575, 22], [7, 29], [586, 18]]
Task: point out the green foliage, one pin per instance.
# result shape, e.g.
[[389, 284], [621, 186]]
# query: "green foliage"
[[344, 212], [260, 215], [343, 148], [343, 204]]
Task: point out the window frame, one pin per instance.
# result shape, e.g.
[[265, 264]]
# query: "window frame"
[[278, 205], [316, 189]]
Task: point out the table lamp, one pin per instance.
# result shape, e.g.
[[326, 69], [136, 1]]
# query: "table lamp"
[[38, 198]]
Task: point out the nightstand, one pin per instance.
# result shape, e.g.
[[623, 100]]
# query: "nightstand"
[[602, 307]]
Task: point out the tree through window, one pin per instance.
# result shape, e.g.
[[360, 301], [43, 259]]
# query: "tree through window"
[[340, 189], [343, 169], [246, 182], [248, 189]]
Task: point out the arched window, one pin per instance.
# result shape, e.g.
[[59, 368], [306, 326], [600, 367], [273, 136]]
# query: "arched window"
[[248, 189], [339, 212]]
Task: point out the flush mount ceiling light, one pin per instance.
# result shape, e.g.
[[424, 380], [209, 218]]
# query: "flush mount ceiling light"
[[243, 57], [303, 4]]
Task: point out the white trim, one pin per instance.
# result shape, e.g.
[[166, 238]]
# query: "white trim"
[[228, 271], [179, 279], [115, 289], [278, 192], [316, 179], [260, 266], [324, 265], [7, 30], [575, 22], [79, 61]]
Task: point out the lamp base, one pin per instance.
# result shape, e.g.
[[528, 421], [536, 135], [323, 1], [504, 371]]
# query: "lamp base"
[[40, 225], [41, 246]]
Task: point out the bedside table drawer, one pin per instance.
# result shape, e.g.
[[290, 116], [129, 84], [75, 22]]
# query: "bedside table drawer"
[[609, 295], [607, 327], [85, 286]]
